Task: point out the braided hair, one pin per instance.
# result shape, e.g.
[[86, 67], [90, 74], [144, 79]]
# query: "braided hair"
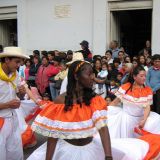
[[135, 72], [76, 68]]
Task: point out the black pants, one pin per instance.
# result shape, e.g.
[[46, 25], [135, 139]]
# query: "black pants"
[[156, 102]]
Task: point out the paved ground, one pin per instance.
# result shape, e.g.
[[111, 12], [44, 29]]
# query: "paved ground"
[[40, 140]]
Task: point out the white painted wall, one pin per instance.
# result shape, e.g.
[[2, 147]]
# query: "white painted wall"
[[99, 26], [47, 32], [38, 27], [156, 27]]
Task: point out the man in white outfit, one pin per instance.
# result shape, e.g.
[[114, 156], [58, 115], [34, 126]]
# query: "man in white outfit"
[[10, 90]]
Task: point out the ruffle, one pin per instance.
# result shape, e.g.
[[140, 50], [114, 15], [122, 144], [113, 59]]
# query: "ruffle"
[[83, 122], [142, 97]]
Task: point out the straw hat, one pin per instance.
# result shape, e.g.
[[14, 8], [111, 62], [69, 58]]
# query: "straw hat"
[[13, 52], [78, 56]]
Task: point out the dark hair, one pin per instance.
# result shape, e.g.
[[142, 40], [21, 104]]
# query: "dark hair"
[[139, 60], [69, 52], [135, 61], [127, 57], [116, 60], [36, 52], [95, 57], [85, 44], [109, 52], [28, 60], [156, 57], [119, 73], [57, 59], [116, 42], [135, 72], [120, 52], [88, 94], [105, 63], [44, 53], [51, 53]]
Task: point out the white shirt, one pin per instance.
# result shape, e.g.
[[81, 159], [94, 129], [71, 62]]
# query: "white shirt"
[[8, 93], [64, 85], [110, 61], [103, 74]]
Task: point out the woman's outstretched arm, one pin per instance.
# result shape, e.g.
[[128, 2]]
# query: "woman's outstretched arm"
[[105, 138]]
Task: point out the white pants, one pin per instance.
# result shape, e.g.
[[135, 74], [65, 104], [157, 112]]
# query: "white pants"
[[10, 140]]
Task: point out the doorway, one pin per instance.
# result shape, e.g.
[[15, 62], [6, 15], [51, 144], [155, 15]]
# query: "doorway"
[[131, 28], [8, 32]]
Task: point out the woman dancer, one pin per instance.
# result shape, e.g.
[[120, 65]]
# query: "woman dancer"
[[136, 99], [73, 119]]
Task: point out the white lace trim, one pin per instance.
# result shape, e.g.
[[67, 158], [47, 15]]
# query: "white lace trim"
[[69, 134], [142, 101], [71, 125], [70, 130]]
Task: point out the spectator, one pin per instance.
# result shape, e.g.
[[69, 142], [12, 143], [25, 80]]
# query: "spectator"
[[26, 71], [36, 53], [34, 67], [127, 59], [43, 75], [69, 55], [135, 63], [50, 55], [97, 66], [114, 48], [21, 71], [108, 54], [153, 80], [116, 63], [102, 75], [85, 50], [128, 71], [33, 71]]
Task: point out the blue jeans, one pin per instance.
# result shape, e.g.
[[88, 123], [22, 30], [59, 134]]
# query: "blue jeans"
[[54, 91]]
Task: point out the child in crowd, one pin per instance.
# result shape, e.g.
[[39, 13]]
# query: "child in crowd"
[[112, 88], [102, 75], [21, 71], [108, 100], [119, 78]]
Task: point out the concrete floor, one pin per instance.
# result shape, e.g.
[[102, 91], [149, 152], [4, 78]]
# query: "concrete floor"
[[40, 140]]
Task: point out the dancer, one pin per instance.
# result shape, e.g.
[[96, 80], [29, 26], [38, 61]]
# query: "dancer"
[[73, 119], [136, 99], [10, 88]]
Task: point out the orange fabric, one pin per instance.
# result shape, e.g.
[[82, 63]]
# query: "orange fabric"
[[77, 114], [137, 92], [1, 122], [27, 136], [37, 110], [154, 143]]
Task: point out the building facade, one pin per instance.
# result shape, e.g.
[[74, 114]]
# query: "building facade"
[[63, 24]]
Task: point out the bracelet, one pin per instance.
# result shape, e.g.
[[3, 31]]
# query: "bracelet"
[[108, 158]]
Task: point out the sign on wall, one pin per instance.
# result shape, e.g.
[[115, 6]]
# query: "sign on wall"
[[62, 11]]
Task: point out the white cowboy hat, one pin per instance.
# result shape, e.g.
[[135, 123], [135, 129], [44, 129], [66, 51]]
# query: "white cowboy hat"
[[13, 52], [77, 56]]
